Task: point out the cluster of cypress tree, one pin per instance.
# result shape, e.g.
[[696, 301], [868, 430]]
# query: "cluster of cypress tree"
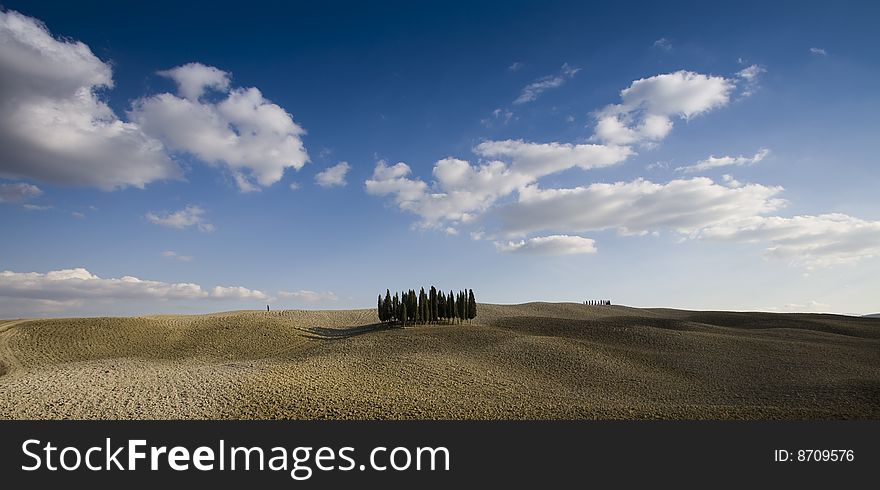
[[431, 307]]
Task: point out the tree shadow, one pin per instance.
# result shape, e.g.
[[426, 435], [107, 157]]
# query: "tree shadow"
[[325, 333]]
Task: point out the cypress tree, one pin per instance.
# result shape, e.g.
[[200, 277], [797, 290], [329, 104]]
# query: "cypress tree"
[[403, 313], [451, 306], [432, 304], [462, 304], [380, 310], [426, 311], [472, 305], [386, 305]]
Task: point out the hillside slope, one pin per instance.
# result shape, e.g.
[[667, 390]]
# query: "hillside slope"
[[536, 360]]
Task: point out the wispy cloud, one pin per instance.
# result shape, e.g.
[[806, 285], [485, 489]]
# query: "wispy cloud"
[[18, 192], [550, 245], [750, 77], [663, 44], [725, 161], [534, 90], [190, 216], [308, 296], [818, 51], [171, 255]]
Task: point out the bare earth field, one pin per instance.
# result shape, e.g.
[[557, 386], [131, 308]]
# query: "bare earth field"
[[531, 361]]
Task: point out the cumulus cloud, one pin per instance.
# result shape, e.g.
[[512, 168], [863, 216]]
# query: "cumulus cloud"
[[190, 216], [80, 284], [550, 245], [308, 296], [255, 138], [638, 207], [534, 90], [810, 241], [172, 255], [460, 190], [463, 194], [48, 87], [726, 161], [193, 79], [18, 192], [237, 292], [649, 105], [333, 176]]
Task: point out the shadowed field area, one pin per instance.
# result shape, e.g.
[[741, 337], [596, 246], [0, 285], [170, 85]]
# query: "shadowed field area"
[[537, 360]]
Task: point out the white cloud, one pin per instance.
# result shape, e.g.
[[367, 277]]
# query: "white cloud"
[[810, 241], [550, 245], [636, 207], [460, 190], [540, 159], [171, 255], [516, 66], [649, 104], [18, 192], [194, 78], [749, 76], [244, 184], [190, 216], [48, 87], [818, 51], [255, 138], [502, 115], [295, 186], [78, 215], [35, 207], [463, 194], [237, 292], [308, 296], [533, 90], [725, 161], [80, 284], [663, 44], [333, 176], [730, 181]]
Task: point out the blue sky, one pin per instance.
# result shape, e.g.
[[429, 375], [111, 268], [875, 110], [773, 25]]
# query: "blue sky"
[[309, 156]]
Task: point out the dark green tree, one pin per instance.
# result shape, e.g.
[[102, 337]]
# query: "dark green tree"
[[472, 305], [450, 307], [462, 306], [380, 310], [432, 304], [386, 305]]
